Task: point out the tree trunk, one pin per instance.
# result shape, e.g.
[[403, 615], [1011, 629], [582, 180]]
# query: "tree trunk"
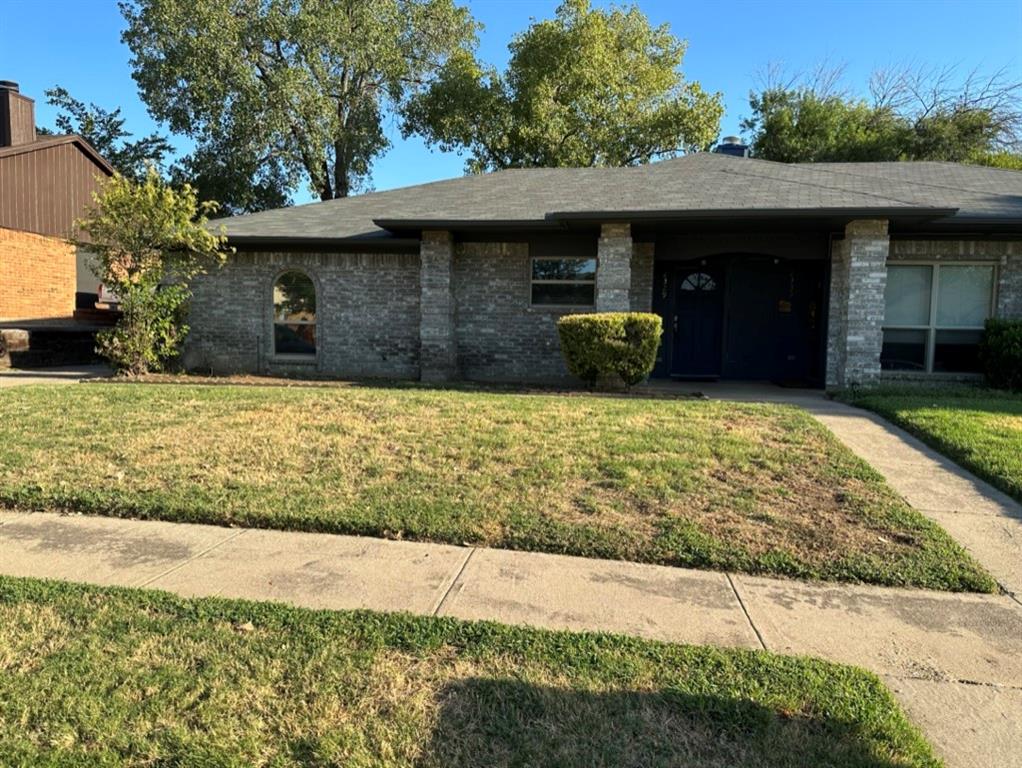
[[326, 192], [342, 186]]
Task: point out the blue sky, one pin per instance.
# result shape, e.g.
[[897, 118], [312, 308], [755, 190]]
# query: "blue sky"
[[76, 43]]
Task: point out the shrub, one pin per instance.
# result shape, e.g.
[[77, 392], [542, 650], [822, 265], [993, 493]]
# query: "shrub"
[[149, 334], [1001, 354], [148, 240], [602, 345]]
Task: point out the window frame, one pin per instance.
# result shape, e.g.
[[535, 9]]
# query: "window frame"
[[932, 327], [296, 357], [533, 281]]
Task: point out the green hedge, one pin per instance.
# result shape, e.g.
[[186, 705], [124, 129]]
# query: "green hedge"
[[600, 346], [1001, 354]]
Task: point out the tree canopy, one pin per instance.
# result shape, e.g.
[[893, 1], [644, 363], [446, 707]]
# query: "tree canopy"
[[588, 87], [105, 131], [909, 115], [296, 90]]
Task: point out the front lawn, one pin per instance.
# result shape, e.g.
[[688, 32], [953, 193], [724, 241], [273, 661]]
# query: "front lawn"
[[756, 488], [93, 676], [979, 429]]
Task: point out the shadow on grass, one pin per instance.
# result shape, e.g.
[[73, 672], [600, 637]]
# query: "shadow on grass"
[[503, 722]]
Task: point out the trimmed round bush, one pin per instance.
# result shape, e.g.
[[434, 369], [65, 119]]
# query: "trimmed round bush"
[[1001, 354], [607, 344]]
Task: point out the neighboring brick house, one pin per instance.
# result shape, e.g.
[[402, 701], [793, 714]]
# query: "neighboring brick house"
[[45, 184], [825, 274]]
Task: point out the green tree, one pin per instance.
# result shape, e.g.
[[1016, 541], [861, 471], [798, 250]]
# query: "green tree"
[[1010, 160], [909, 115], [105, 131], [803, 126], [222, 170], [148, 240], [588, 87], [297, 89]]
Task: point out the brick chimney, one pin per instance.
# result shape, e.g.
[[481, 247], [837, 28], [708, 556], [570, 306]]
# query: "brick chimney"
[[17, 116]]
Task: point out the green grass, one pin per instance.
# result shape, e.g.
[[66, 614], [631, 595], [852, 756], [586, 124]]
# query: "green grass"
[[116, 677], [755, 488], [979, 429]]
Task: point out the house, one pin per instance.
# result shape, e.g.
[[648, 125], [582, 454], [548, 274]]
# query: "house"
[[822, 274], [46, 182]]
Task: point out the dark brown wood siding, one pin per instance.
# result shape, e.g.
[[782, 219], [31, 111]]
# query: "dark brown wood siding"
[[46, 189], [17, 119]]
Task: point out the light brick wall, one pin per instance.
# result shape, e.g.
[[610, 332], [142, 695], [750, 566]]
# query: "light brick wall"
[[463, 309], [500, 336], [367, 318], [613, 276], [37, 276], [438, 344], [858, 280]]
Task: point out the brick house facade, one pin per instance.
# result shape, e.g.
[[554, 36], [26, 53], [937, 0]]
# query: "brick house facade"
[[468, 279], [47, 289], [46, 183]]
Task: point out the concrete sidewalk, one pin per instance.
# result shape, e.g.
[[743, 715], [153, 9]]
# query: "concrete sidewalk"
[[14, 377], [955, 661]]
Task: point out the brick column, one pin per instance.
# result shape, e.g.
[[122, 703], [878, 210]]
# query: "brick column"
[[438, 359], [857, 282], [614, 272]]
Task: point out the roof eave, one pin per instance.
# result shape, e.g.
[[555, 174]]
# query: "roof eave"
[[56, 141], [372, 243], [465, 225], [900, 212], [563, 219]]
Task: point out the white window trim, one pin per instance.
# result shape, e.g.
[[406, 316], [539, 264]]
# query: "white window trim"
[[532, 281], [932, 327]]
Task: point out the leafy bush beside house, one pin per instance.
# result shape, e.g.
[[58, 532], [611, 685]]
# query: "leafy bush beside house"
[[148, 240], [598, 347], [1001, 354]]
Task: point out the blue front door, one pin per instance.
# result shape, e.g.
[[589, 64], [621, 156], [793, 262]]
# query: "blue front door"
[[697, 322]]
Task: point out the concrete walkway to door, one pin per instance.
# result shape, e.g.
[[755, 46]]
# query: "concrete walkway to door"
[[981, 518], [953, 660]]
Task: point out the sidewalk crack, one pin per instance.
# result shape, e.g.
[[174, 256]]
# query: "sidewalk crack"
[[745, 610], [955, 681], [193, 558], [454, 583]]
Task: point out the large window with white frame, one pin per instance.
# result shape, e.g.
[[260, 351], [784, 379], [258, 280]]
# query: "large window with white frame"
[[934, 316]]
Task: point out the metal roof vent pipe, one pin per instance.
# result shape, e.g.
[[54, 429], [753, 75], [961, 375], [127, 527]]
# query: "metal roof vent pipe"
[[731, 145], [17, 116]]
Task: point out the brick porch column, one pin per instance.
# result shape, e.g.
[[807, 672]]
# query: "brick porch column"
[[857, 282], [438, 360], [614, 271]]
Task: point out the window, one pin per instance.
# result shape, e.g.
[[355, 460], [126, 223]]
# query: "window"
[[934, 316], [699, 281], [564, 282], [294, 315]]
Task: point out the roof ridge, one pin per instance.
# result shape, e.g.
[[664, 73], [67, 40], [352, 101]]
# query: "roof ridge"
[[920, 183], [817, 184]]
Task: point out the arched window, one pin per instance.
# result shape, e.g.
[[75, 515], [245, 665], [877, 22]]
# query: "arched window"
[[294, 314], [698, 281]]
